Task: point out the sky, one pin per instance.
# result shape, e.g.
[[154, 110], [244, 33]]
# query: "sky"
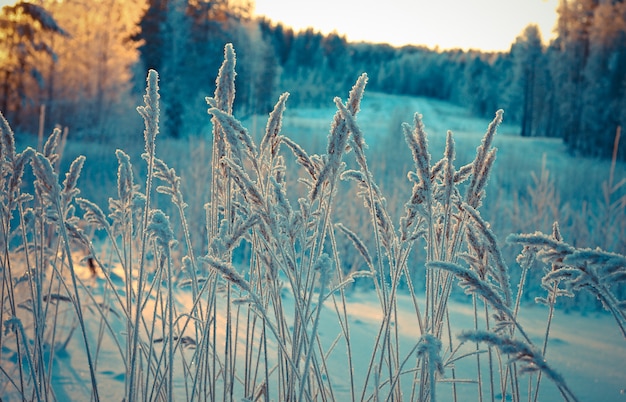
[[489, 25]]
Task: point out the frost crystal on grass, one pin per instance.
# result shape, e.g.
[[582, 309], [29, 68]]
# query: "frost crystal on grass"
[[51, 145], [418, 144], [227, 271], [150, 111], [338, 138], [272, 138], [93, 213], [225, 83], [160, 230], [472, 283], [481, 166], [124, 176], [70, 189], [46, 185], [521, 351]]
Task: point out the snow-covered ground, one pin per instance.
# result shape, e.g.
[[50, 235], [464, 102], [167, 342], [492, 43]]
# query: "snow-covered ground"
[[586, 349]]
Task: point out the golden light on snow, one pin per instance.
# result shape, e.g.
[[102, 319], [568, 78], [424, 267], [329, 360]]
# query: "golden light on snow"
[[478, 24]]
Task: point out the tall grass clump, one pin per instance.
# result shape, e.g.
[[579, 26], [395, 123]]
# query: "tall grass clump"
[[187, 320]]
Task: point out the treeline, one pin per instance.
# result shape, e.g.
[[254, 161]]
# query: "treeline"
[[83, 65]]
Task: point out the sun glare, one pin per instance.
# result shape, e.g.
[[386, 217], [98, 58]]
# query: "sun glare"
[[479, 24]]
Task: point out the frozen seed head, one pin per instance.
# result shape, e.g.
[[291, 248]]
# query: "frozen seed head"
[[240, 231], [71, 177], [357, 134], [93, 213], [501, 270], [448, 177], [449, 152], [476, 190], [225, 82], [491, 131], [519, 350], [271, 138], [302, 158], [463, 173], [485, 156], [46, 179], [211, 102], [556, 231], [551, 248], [7, 140], [280, 196], [70, 188], [323, 264], [604, 260], [430, 346], [160, 230], [227, 271], [76, 233], [124, 176], [358, 244], [51, 145], [236, 134], [417, 142], [161, 170], [150, 111], [52, 142], [337, 139], [356, 94], [473, 284], [19, 163], [246, 184]]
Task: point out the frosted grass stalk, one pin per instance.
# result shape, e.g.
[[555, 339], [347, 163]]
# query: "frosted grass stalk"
[[577, 269], [524, 353], [12, 168], [16, 325], [160, 231], [223, 100], [150, 114], [502, 271], [324, 265], [50, 191], [380, 223], [551, 303], [429, 348], [272, 138], [366, 178], [168, 175], [417, 141], [342, 315], [482, 163], [448, 187], [225, 145]]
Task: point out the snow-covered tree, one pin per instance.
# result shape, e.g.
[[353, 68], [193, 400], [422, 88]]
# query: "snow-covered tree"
[[95, 64], [604, 75], [24, 28], [527, 54]]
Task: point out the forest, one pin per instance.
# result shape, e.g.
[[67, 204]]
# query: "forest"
[[79, 65]]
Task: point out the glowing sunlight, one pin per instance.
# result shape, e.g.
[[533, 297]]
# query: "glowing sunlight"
[[480, 24]]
